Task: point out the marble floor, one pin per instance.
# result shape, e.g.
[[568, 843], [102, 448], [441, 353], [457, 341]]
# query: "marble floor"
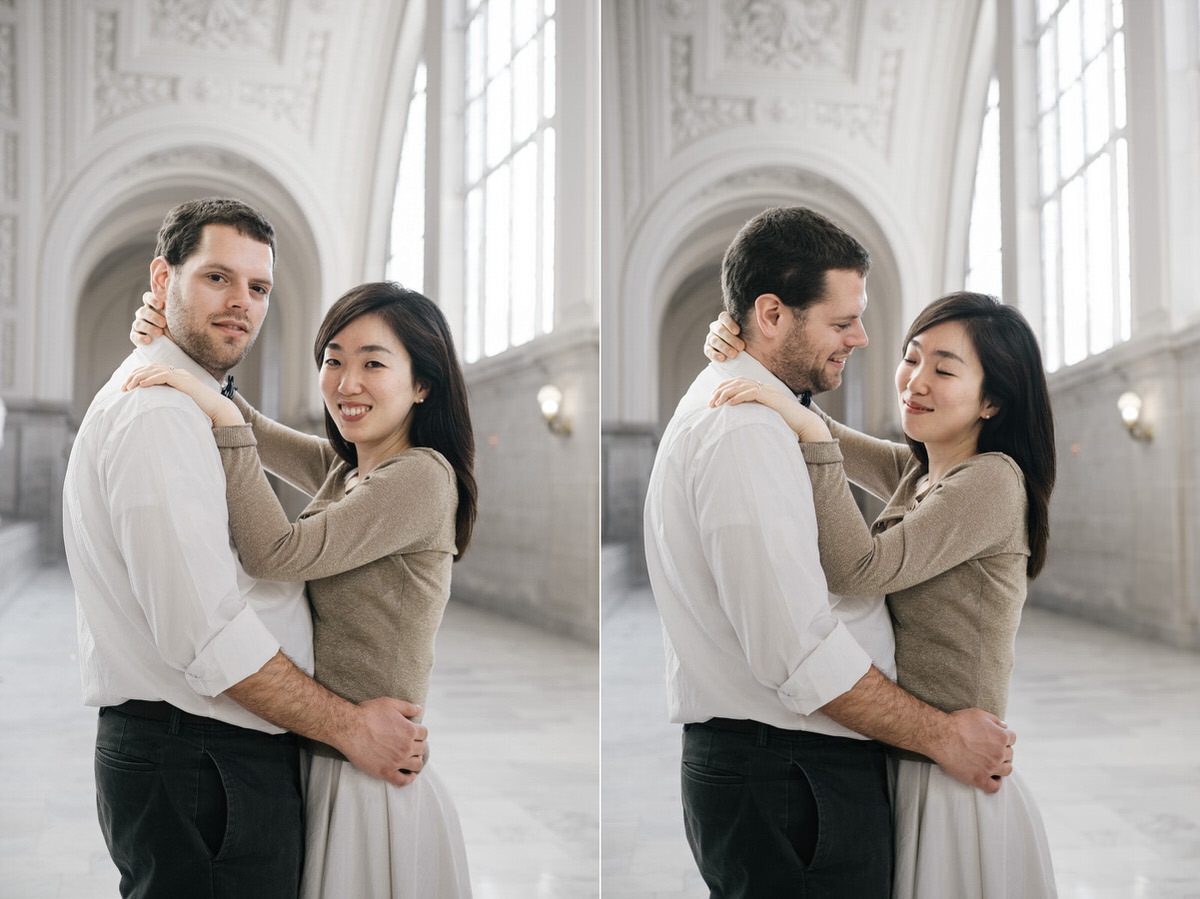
[[1108, 735], [513, 718]]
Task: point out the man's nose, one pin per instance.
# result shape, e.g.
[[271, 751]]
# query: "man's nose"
[[857, 335], [239, 297]]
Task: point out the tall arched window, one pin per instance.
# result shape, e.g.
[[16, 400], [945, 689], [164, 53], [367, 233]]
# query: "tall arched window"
[[983, 241], [1083, 189], [508, 184], [406, 242]]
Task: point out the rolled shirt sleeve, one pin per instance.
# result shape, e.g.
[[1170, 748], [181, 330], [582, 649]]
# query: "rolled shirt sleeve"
[[754, 508], [166, 488]]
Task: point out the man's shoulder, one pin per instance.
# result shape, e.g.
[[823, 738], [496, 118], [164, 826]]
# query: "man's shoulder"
[[148, 408]]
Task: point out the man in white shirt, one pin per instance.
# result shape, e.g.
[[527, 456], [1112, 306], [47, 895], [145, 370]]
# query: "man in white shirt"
[[201, 673], [778, 690]]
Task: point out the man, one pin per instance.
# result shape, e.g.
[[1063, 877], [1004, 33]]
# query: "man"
[[200, 672], [775, 689]]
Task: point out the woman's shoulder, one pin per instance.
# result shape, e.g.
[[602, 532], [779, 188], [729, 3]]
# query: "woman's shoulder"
[[416, 463], [998, 471]]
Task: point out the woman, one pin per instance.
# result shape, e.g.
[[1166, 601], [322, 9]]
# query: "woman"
[[393, 505], [964, 529]]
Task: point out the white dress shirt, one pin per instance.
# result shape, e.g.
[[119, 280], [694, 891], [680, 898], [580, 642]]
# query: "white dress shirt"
[[750, 629], [164, 609]]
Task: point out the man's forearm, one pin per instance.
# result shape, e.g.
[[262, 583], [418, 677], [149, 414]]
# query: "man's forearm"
[[877, 708], [281, 693], [971, 745], [377, 736]]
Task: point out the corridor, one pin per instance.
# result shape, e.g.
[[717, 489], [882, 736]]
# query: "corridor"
[[1108, 728], [512, 719]]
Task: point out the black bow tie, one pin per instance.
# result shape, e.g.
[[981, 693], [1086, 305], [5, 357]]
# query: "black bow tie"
[[228, 388], [806, 398]]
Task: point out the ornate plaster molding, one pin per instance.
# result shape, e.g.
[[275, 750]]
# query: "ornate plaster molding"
[[195, 29], [207, 158], [694, 116], [800, 63], [245, 26], [117, 93], [815, 37]]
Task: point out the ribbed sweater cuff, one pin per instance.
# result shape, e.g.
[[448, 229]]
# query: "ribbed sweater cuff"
[[234, 436], [823, 453]]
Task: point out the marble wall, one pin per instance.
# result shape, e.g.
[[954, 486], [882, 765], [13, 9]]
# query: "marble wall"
[[535, 549], [1125, 513]]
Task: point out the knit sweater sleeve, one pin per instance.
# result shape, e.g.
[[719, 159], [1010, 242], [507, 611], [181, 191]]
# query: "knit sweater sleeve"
[[403, 505], [977, 509], [300, 459], [875, 465]]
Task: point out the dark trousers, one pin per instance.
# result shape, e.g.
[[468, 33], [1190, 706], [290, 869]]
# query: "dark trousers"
[[772, 813], [199, 811]]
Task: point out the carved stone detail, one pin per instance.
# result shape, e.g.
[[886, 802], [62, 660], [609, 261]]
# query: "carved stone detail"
[[771, 177], [678, 9], [118, 93], [294, 103], [8, 261], [810, 36], [8, 69], [8, 167], [693, 117], [870, 123], [217, 25], [201, 157], [8, 354]]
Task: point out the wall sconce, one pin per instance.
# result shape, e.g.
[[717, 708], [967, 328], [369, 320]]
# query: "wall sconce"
[[1130, 405], [550, 400]]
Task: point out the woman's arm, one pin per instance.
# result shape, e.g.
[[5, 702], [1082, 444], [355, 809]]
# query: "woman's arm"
[[874, 464], [407, 503], [972, 511], [303, 460]]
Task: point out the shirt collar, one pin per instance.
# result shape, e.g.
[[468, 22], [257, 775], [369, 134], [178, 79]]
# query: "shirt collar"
[[746, 366], [165, 351]]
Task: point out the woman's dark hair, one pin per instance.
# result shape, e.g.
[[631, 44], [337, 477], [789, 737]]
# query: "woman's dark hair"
[[1014, 379], [443, 421], [786, 251]]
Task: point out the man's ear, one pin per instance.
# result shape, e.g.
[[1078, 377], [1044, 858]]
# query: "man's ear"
[[160, 277], [768, 315]]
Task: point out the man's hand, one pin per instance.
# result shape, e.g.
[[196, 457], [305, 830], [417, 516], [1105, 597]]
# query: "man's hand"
[[376, 735], [977, 749], [148, 321], [384, 742], [722, 341]]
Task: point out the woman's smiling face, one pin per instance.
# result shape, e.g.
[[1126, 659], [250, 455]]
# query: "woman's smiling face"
[[368, 388], [939, 383]]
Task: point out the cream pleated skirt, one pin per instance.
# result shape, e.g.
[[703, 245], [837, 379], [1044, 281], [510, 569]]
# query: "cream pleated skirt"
[[370, 840], [953, 840]]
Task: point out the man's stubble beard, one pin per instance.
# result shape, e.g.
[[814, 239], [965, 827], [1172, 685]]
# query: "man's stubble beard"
[[796, 365], [214, 354]]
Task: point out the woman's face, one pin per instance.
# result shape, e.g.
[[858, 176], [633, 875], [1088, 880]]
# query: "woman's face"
[[368, 388], [939, 383]]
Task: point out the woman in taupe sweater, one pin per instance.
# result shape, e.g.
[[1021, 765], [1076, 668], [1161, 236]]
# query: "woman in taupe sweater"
[[964, 529], [393, 505]]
